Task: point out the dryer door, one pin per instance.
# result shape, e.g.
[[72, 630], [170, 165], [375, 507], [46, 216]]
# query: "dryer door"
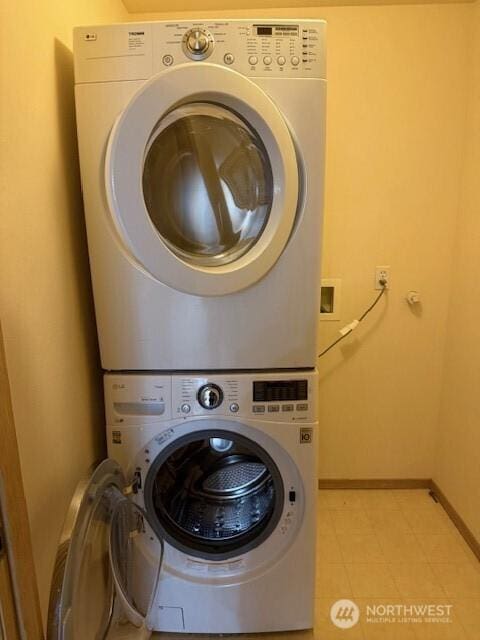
[[104, 583], [202, 180]]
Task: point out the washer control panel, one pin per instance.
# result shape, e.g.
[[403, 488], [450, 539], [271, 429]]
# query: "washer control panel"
[[147, 398]]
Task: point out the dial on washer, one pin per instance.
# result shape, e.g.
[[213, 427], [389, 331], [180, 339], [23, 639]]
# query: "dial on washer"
[[210, 396]]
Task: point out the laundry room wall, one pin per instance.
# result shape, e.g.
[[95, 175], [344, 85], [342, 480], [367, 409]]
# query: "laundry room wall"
[[458, 463], [45, 301], [397, 95], [396, 132]]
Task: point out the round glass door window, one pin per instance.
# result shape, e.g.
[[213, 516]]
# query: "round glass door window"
[[207, 184], [214, 494]]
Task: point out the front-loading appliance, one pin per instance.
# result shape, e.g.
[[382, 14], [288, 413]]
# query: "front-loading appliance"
[[203, 518], [202, 160]]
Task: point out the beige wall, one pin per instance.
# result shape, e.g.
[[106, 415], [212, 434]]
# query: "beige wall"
[[143, 6], [396, 113], [458, 464], [45, 304]]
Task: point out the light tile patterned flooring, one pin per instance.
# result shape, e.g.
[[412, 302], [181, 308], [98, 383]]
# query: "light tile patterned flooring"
[[394, 547], [391, 547]]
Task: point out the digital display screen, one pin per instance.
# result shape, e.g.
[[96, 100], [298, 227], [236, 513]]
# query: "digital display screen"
[[277, 30], [280, 390]]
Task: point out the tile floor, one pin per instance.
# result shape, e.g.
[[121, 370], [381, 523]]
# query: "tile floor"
[[391, 547], [394, 547]]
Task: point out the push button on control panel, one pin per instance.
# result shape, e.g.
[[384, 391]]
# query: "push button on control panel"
[[267, 60], [302, 407], [229, 58], [259, 408], [253, 60], [167, 60], [295, 61], [281, 60]]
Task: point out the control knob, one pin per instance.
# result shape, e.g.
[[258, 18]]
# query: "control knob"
[[210, 396], [197, 43]]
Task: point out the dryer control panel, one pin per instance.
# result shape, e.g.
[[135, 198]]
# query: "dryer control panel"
[[277, 48], [146, 398], [256, 48]]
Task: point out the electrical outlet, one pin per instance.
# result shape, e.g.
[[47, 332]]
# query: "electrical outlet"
[[382, 273]]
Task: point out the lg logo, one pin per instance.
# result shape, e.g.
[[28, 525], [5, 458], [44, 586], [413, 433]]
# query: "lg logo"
[[306, 435], [344, 614]]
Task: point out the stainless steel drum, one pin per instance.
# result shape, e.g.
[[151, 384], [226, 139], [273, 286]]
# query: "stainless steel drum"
[[235, 478], [215, 494]]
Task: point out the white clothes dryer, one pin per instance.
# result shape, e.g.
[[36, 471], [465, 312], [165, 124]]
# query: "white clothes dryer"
[[202, 161], [204, 514]]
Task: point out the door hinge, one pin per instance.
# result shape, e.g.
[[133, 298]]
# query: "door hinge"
[[3, 546], [135, 486]]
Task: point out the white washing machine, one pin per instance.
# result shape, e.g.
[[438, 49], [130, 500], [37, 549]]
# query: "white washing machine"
[[202, 161], [204, 513]]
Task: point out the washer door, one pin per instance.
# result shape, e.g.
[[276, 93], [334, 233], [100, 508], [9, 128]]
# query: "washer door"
[[214, 494], [202, 179], [103, 583]]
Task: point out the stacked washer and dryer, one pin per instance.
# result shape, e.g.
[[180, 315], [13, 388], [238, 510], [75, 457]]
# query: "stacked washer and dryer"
[[202, 160]]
